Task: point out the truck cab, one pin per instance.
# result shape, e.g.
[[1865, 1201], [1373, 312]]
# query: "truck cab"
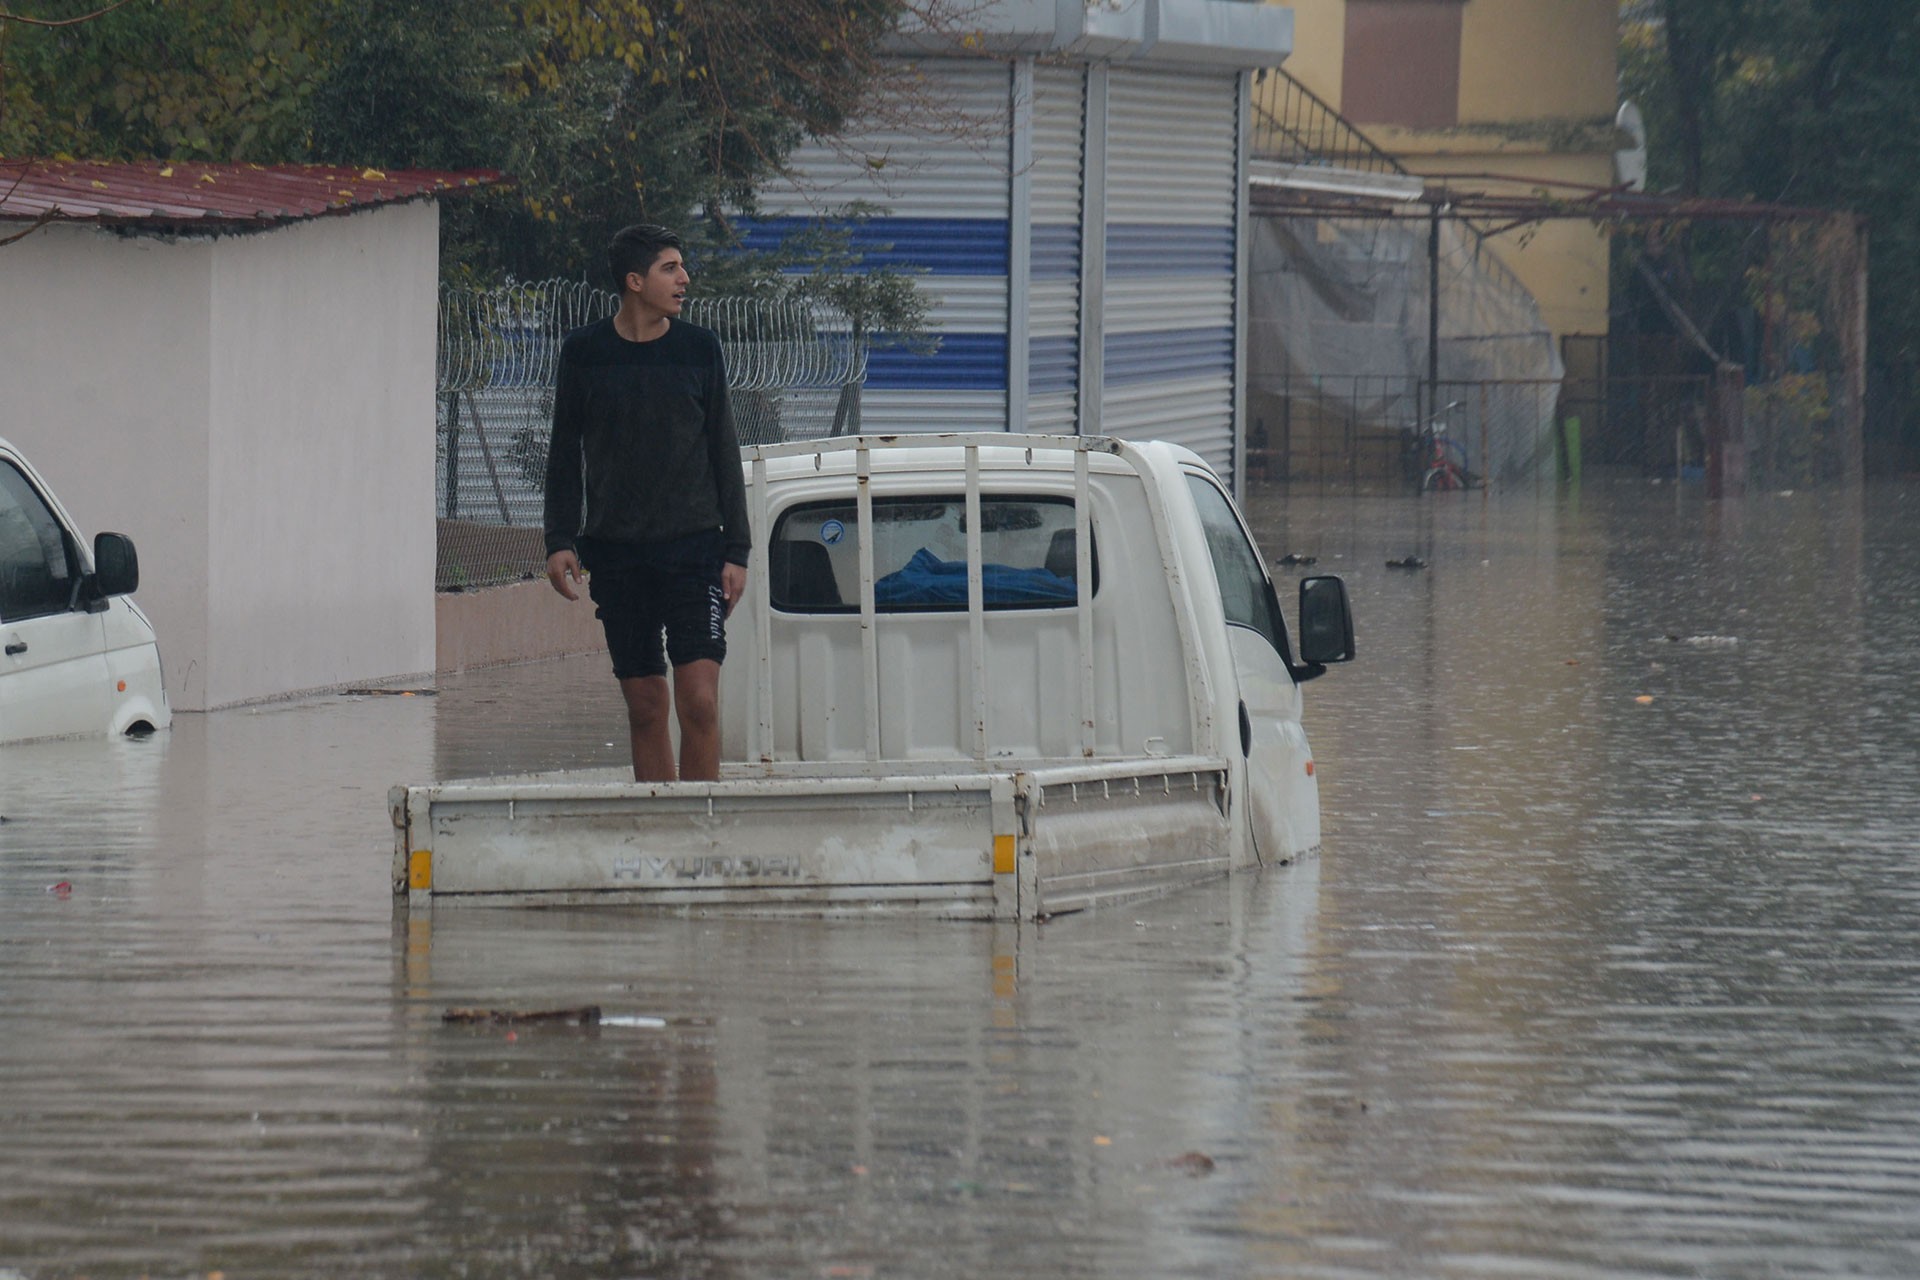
[[1123, 612]]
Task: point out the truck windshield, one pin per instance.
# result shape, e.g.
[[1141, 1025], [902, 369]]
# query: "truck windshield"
[[920, 555]]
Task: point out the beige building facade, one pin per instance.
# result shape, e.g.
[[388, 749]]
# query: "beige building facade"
[[1502, 96]]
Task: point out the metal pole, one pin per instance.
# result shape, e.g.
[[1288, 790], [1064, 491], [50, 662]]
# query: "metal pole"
[[486, 455], [869, 639], [453, 455], [1486, 469], [760, 574], [976, 604], [1433, 314], [1083, 591]]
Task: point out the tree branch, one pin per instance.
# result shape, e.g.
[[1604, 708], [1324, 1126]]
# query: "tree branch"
[[21, 18], [43, 220]]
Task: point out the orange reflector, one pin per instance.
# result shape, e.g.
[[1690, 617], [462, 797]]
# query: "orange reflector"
[[122, 686], [1002, 855], [1309, 768], [420, 869]]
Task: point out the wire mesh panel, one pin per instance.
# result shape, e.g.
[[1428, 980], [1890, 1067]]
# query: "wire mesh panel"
[[1372, 435], [793, 373]]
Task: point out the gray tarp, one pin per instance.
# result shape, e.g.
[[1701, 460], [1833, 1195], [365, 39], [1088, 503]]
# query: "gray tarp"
[[1340, 306]]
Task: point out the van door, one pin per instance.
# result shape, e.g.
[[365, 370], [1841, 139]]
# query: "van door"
[[1282, 800], [53, 666]]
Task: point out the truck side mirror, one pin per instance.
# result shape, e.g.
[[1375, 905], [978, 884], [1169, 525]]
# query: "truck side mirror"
[[116, 568], [1326, 621]]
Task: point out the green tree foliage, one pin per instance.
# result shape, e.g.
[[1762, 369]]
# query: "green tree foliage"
[[1800, 102], [605, 113]]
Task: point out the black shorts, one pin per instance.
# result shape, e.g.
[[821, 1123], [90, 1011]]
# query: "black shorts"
[[660, 601]]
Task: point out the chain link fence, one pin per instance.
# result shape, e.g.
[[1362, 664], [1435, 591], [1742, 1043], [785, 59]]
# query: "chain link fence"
[[1363, 435], [793, 373]]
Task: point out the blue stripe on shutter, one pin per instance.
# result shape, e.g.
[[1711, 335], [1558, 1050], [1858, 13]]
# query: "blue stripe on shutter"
[[1053, 364], [1167, 356], [964, 362], [943, 246], [1056, 251], [1157, 249]]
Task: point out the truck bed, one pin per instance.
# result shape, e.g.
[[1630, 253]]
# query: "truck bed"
[[992, 840]]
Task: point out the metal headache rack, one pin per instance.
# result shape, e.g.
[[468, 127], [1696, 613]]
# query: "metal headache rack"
[[862, 448]]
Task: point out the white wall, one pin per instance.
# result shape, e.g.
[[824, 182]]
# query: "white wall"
[[256, 412], [103, 383], [321, 539]]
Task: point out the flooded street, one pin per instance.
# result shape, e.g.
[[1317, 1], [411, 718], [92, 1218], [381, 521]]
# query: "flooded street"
[[1610, 967]]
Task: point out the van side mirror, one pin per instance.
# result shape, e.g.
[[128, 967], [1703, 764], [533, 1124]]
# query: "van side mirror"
[[1326, 621], [116, 568]]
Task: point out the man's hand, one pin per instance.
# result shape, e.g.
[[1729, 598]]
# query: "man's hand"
[[733, 583], [563, 565]]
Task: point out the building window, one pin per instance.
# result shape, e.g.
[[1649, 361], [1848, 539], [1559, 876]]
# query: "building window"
[[1402, 63]]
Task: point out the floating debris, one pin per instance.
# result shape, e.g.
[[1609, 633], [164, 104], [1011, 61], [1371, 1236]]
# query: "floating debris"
[[1294, 557], [584, 1016], [1410, 562], [1195, 1164]]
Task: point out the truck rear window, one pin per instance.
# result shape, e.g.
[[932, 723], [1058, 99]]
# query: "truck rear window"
[[920, 555]]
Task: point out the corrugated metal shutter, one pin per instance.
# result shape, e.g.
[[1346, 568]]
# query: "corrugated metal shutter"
[[1172, 192], [1053, 319], [946, 196]]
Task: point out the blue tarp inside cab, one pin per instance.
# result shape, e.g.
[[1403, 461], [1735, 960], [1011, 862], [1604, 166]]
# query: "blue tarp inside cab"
[[928, 580]]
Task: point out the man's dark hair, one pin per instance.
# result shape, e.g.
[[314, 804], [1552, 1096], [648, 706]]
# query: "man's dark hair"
[[635, 248]]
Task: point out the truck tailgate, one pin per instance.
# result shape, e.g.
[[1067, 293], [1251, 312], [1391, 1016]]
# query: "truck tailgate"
[[977, 843]]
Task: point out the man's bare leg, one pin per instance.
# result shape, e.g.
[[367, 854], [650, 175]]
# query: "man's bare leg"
[[696, 698], [647, 708]]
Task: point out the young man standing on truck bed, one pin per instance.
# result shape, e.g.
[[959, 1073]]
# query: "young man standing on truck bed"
[[642, 433]]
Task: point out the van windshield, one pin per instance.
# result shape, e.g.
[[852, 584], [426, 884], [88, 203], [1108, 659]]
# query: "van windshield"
[[36, 563], [920, 555]]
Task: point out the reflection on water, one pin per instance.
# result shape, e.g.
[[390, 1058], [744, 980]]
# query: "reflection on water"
[[1608, 969]]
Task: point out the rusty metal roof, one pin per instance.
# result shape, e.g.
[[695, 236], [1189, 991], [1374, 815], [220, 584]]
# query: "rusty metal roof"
[[180, 195]]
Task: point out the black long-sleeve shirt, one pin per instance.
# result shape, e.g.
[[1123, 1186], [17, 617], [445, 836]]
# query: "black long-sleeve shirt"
[[642, 433]]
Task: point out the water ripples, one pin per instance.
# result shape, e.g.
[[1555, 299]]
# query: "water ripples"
[[1584, 986]]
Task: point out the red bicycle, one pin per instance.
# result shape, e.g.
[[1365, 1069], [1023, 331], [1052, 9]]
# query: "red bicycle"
[[1440, 462]]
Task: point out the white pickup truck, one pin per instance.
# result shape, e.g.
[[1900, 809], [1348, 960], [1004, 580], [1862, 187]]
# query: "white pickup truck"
[[986, 676]]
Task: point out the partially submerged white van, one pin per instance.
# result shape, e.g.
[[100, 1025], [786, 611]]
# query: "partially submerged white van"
[[76, 654]]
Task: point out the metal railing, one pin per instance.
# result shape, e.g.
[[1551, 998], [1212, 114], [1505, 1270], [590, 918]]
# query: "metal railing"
[[1294, 125], [793, 372]]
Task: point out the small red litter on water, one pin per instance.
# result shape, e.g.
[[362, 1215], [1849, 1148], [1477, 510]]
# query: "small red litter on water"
[[62, 890], [512, 1036]]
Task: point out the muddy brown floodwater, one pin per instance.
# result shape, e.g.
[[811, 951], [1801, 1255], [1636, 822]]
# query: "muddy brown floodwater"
[[1610, 967]]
